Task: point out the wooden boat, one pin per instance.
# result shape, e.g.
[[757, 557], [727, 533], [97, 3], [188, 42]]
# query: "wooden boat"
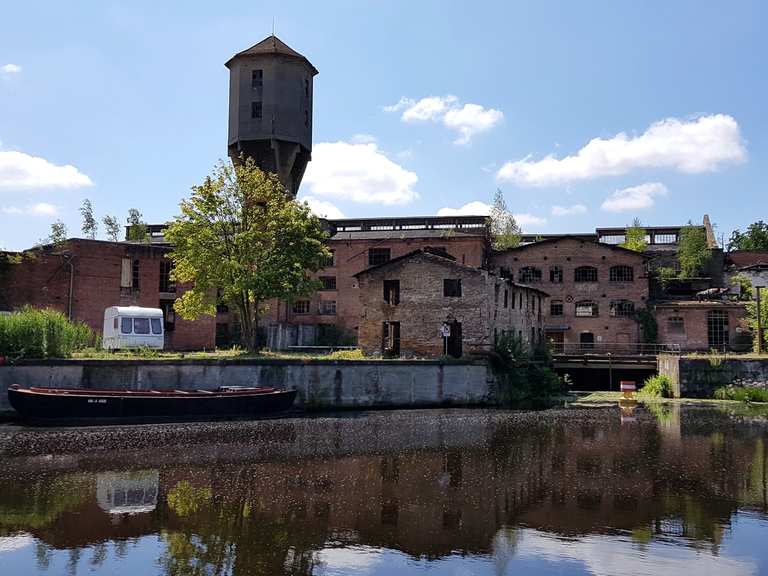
[[65, 406]]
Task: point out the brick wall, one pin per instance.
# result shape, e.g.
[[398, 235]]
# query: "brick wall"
[[570, 253], [423, 307], [42, 280], [692, 334]]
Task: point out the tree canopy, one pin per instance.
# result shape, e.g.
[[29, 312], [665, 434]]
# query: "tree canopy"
[[755, 238], [505, 231], [634, 237], [111, 227], [241, 235], [692, 251], [90, 225], [137, 228]]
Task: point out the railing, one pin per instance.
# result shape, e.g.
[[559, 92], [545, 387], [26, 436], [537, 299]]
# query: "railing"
[[617, 348]]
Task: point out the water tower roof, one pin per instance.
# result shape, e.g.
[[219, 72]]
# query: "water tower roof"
[[272, 45]]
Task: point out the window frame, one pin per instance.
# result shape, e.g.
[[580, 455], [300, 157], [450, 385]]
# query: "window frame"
[[556, 274], [379, 256], [585, 275], [622, 308], [676, 325], [529, 275], [552, 304], [300, 307], [257, 109], [329, 283], [621, 273], [594, 306]]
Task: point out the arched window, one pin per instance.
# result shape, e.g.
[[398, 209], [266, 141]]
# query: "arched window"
[[585, 274], [587, 309], [622, 308], [556, 275], [621, 274], [528, 274]]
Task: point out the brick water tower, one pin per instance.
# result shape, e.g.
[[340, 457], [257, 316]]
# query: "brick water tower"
[[270, 109]]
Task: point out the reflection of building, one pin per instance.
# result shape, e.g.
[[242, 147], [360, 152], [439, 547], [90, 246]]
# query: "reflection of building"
[[127, 492]]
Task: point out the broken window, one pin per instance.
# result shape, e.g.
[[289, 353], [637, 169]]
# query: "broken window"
[[556, 308], [586, 308], [621, 274], [556, 275], [301, 307], [329, 282], [675, 325], [166, 284], [585, 274], [528, 274], [328, 307], [622, 308], [392, 292], [378, 256], [452, 287], [257, 79], [135, 274], [255, 110]]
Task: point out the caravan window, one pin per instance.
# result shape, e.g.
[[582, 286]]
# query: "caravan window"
[[157, 326], [125, 325], [141, 325]]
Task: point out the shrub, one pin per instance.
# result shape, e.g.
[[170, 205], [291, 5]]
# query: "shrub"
[[742, 393], [36, 333], [658, 386], [356, 354]]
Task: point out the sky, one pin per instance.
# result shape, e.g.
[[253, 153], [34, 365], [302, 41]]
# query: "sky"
[[584, 114]]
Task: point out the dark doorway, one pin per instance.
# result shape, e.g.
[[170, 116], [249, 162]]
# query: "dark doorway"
[[390, 339], [454, 340], [587, 340]]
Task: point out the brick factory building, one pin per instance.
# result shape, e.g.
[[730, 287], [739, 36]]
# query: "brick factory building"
[[408, 301], [697, 326], [81, 278], [595, 288]]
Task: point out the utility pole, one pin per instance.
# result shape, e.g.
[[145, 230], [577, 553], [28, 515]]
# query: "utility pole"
[[759, 321]]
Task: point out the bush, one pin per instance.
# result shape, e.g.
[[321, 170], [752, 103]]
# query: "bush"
[[356, 354], [657, 386], [36, 333], [742, 393]]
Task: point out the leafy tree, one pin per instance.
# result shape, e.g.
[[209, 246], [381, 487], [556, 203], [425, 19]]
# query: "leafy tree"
[[692, 251], [755, 238], [137, 228], [505, 231], [243, 234], [90, 225], [112, 227], [634, 238], [58, 233]]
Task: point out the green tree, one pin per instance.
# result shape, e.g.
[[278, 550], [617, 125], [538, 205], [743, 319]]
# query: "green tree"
[[243, 234], [137, 228], [755, 238], [58, 235], [90, 225], [112, 227], [634, 237], [692, 251], [505, 231]]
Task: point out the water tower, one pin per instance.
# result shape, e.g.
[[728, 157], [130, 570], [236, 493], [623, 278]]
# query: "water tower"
[[270, 109]]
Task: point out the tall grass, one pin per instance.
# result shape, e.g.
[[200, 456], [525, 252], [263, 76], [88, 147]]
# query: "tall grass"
[[657, 386], [36, 333], [742, 393]]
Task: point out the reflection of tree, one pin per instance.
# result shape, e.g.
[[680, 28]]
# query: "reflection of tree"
[[505, 543], [31, 505], [185, 499]]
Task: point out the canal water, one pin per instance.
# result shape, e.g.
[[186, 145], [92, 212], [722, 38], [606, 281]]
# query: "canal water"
[[660, 490]]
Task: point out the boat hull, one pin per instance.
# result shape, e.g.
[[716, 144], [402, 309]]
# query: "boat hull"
[[38, 406]]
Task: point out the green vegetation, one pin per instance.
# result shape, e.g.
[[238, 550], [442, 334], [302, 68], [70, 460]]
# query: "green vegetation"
[[137, 228], [692, 251], [742, 393], [747, 293], [34, 333], [111, 227], [649, 328], [90, 225], [657, 386], [356, 354], [634, 238], [524, 376], [242, 234], [755, 238], [58, 234], [665, 275], [505, 231]]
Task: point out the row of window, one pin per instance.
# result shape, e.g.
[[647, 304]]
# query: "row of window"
[[131, 275], [140, 325], [325, 307], [591, 309], [532, 274], [257, 81]]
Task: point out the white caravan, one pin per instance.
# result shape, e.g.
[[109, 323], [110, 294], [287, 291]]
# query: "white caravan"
[[132, 327]]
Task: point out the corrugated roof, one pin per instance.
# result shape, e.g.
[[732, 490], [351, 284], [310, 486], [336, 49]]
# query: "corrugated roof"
[[405, 234]]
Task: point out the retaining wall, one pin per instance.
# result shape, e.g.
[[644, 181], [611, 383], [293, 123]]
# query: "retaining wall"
[[322, 384], [697, 377]]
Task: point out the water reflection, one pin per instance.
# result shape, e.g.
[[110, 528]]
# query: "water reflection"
[[579, 491]]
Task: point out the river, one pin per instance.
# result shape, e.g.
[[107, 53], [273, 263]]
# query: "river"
[[668, 489]]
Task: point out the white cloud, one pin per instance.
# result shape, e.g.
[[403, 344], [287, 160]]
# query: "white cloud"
[[363, 139], [322, 208], [699, 145], [39, 209], [20, 171], [639, 197], [467, 119], [569, 210], [10, 69], [477, 208], [360, 173]]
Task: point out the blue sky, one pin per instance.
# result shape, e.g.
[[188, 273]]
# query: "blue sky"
[[419, 107]]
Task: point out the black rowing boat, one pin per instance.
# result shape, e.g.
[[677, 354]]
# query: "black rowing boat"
[[65, 406]]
